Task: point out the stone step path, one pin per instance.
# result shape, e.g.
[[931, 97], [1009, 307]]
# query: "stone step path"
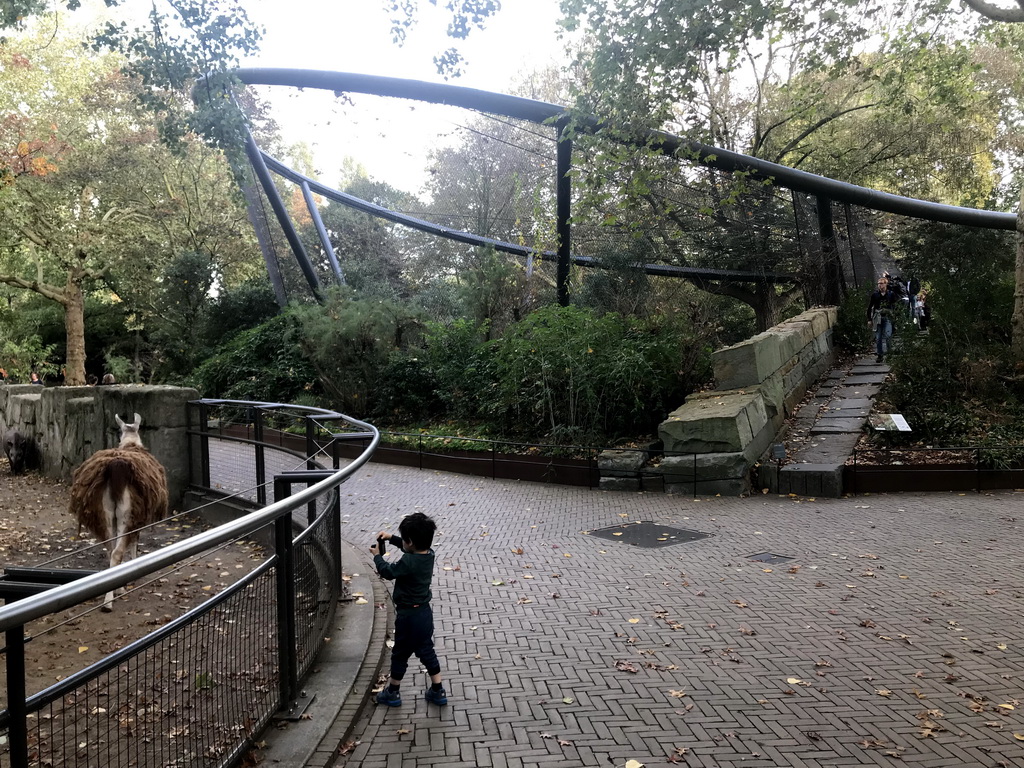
[[825, 430]]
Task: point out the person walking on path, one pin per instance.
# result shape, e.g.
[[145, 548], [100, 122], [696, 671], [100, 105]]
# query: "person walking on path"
[[414, 620], [880, 314]]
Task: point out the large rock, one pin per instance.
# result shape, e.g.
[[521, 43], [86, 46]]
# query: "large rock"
[[714, 422]]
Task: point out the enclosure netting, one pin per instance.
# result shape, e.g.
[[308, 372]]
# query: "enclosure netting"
[[495, 177]]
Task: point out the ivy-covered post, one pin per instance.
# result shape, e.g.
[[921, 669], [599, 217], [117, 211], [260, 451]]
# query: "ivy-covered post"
[[1017, 320], [563, 193]]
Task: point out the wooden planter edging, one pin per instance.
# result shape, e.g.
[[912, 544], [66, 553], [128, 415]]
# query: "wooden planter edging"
[[867, 478], [498, 466]]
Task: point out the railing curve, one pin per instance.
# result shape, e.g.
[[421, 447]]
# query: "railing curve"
[[198, 690]]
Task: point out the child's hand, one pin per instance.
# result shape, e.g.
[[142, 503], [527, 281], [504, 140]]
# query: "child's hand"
[[375, 549], [384, 535]]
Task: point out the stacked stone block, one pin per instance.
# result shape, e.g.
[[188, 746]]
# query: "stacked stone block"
[[716, 437], [71, 423]]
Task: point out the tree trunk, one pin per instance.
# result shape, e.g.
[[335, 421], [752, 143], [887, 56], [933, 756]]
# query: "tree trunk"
[[74, 328], [1017, 321]]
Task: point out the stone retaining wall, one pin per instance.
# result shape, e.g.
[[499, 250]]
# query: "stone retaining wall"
[[71, 423], [717, 436]]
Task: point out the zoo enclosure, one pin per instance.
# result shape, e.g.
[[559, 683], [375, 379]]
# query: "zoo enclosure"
[[197, 690], [780, 224]]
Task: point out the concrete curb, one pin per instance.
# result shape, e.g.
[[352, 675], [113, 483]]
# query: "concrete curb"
[[338, 680]]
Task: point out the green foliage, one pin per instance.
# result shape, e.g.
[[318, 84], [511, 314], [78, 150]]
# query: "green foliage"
[[460, 364], [851, 332], [568, 375], [261, 363], [957, 384], [201, 39], [350, 341], [235, 309]]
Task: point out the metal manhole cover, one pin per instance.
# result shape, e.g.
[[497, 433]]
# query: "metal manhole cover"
[[770, 557], [649, 535]]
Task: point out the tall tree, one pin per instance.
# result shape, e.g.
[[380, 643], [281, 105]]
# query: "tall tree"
[[866, 91], [113, 203]]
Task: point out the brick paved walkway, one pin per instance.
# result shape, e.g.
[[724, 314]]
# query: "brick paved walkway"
[[894, 635]]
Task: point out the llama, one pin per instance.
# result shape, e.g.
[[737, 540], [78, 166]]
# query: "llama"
[[117, 491], [21, 451]]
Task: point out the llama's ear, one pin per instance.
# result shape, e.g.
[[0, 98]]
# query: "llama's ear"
[[120, 424], [138, 421]]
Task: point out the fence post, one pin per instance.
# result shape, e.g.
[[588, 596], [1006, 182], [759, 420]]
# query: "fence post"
[[288, 669], [261, 457], [18, 729], [204, 443], [494, 461], [563, 198], [695, 475]]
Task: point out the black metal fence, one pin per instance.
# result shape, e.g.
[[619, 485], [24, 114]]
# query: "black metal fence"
[[968, 468], [200, 688]]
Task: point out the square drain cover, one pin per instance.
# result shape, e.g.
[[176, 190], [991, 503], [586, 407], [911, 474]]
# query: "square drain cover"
[[770, 557], [648, 534]]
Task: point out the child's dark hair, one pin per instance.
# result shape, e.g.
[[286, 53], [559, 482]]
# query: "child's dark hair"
[[419, 529]]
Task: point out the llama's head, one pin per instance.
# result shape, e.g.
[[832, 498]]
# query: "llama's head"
[[129, 432]]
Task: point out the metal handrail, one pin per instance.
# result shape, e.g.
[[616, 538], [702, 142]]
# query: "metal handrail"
[[65, 596]]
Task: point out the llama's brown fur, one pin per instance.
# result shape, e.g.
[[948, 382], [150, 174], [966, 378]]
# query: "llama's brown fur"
[[117, 491]]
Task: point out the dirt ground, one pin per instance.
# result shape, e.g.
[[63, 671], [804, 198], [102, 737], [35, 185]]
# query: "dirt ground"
[[36, 529]]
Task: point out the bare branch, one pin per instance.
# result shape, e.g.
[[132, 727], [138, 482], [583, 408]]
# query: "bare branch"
[[50, 292]]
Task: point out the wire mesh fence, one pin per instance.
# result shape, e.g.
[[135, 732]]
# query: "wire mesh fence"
[[199, 688]]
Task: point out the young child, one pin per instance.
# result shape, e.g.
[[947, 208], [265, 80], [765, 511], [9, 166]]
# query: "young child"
[[414, 621]]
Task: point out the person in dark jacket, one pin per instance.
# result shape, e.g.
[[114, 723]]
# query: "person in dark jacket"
[[881, 309], [414, 620]]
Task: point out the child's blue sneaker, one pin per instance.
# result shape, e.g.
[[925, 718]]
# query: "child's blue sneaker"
[[438, 697], [391, 698]]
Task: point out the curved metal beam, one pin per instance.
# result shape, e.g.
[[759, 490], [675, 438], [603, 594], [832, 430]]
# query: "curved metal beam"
[[664, 270], [542, 112]]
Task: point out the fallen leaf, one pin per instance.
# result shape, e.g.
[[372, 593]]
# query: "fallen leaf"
[[83, 648], [883, 692], [567, 700], [362, 601], [497, 583], [634, 621], [634, 764]]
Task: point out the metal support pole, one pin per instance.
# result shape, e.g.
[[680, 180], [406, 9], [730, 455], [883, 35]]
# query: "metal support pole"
[[695, 475], [310, 463], [288, 668], [261, 457], [281, 212], [321, 230], [563, 194], [17, 732]]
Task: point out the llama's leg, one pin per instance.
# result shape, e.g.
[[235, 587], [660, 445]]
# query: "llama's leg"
[[119, 514]]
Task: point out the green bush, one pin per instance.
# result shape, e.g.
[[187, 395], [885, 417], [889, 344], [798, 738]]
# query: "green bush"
[[566, 375], [261, 363], [354, 342], [851, 332]]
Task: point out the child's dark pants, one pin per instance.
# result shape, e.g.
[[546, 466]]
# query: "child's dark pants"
[[414, 634]]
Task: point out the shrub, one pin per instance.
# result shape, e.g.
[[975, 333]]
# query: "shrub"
[[568, 375], [261, 363]]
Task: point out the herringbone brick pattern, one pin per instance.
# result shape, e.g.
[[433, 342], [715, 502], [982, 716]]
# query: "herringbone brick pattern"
[[894, 635]]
